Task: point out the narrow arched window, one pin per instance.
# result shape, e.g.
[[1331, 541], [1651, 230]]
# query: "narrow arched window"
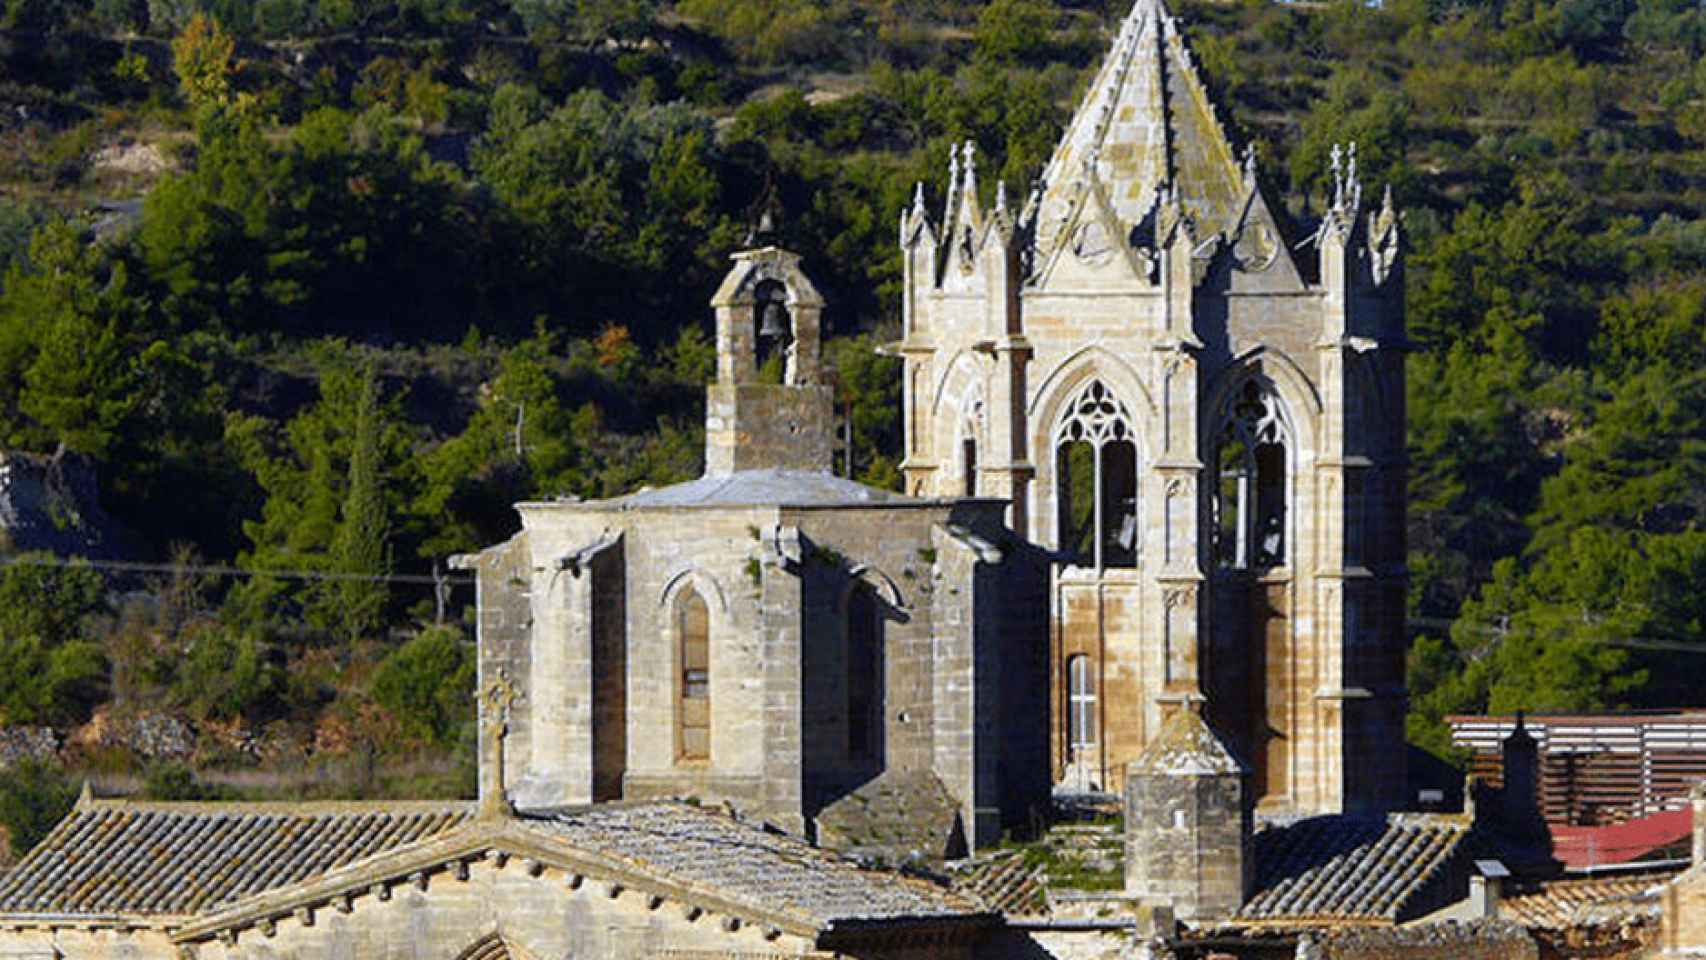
[[864, 675], [1252, 505], [1096, 474], [1080, 706], [968, 463], [693, 628]]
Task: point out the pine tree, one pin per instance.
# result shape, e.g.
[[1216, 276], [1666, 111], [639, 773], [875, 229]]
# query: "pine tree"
[[360, 546]]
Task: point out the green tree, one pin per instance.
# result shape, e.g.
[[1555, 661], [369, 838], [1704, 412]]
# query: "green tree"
[[1013, 31], [360, 546], [518, 445], [34, 797], [201, 55], [226, 674], [69, 327], [428, 685], [335, 485]]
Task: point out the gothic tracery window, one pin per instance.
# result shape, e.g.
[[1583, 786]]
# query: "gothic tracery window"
[[693, 632], [1096, 480], [1253, 456]]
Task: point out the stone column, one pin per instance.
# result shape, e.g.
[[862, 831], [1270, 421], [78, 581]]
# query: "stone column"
[[780, 614]]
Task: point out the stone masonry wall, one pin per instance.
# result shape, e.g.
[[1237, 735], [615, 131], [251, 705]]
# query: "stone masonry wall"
[[1480, 939], [1683, 929]]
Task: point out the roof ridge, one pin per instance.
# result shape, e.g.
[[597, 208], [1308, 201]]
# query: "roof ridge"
[[299, 807]]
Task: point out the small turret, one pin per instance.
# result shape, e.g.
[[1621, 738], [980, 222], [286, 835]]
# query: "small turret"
[[767, 409], [1187, 823]]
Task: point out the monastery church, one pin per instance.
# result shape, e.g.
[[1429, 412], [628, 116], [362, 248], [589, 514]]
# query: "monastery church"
[[1152, 529]]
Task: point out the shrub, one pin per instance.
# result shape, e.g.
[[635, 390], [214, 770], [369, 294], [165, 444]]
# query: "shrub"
[[226, 675], [428, 685], [34, 796]]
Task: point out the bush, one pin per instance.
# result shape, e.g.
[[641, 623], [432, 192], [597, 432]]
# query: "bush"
[[175, 781], [428, 685], [226, 675], [34, 796]]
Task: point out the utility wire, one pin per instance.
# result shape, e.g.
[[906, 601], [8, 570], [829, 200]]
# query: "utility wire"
[[222, 571]]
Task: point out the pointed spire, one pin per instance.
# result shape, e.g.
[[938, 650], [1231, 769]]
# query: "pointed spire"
[[1146, 120], [969, 155], [953, 185], [1001, 196]]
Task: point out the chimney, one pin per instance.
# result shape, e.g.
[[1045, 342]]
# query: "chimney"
[[1485, 888]]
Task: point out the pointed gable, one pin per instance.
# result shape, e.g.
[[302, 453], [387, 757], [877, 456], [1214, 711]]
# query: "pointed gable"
[[1146, 123]]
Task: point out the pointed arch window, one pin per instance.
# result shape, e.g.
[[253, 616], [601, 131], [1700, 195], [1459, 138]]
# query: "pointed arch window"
[[970, 429], [864, 675], [1081, 706], [1252, 506], [693, 714], [1096, 472]]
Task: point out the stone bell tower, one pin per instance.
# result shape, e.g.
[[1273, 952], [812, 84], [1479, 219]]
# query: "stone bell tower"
[[767, 408], [1203, 431]]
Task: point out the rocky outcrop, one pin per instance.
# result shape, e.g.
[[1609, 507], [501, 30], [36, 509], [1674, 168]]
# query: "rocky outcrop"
[[52, 504]]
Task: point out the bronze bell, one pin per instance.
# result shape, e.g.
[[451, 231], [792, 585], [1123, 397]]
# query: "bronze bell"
[[773, 323]]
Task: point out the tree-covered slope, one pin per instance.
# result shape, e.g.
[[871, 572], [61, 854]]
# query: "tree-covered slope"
[[322, 286]]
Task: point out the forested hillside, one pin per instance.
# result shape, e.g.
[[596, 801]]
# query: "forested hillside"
[[320, 287]]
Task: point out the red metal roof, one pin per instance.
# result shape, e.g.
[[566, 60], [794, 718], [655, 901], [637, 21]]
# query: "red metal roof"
[[1623, 842]]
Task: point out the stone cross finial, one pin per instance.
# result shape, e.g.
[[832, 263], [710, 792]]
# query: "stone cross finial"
[[970, 152], [1334, 164], [495, 700]]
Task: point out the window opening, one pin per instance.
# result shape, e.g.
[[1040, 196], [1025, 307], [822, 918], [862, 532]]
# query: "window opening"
[[968, 454], [1096, 474], [1253, 461], [773, 333], [694, 628], [1081, 706], [864, 674]]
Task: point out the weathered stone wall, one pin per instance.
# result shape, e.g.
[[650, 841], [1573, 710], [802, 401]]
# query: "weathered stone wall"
[[752, 426], [503, 639], [542, 915], [1186, 841], [1480, 939], [1682, 930]]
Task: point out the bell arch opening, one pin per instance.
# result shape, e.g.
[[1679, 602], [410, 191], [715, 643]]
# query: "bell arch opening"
[[1096, 481]]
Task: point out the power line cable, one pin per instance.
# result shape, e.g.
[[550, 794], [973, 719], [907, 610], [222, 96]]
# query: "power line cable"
[[223, 571]]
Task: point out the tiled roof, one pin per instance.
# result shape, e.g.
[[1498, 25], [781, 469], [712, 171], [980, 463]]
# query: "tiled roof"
[[1563, 904], [1005, 883], [720, 856], [174, 859], [1352, 868]]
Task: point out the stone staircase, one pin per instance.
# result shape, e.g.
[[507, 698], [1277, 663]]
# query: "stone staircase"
[[1074, 869]]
